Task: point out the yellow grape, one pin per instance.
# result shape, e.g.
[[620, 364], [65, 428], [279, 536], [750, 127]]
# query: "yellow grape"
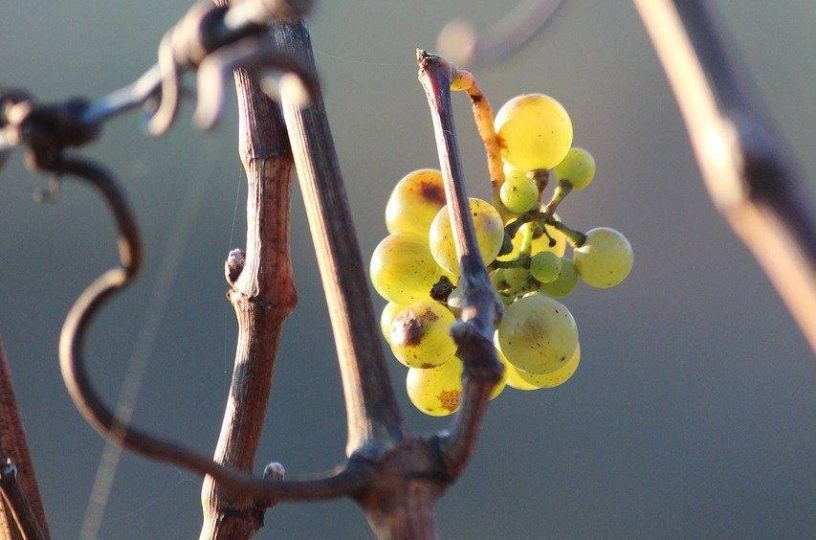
[[389, 312], [578, 168], [420, 335], [436, 391], [535, 130], [537, 334], [555, 378], [605, 259], [489, 235], [403, 269], [415, 201], [519, 192]]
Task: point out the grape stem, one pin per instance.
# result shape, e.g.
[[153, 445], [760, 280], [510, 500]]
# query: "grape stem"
[[481, 309], [746, 165], [576, 238]]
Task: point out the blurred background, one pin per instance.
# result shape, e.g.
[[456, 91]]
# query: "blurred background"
[[693, 411]]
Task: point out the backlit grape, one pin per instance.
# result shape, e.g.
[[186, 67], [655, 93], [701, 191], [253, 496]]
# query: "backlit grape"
[[390, 311], [565, 282], [554, 378], [489, 235], [545, 266], [605, 259], [415, 201], [436, 391], [535, 130], [403, 269], [577, 167], [420, 335], [519, 192]]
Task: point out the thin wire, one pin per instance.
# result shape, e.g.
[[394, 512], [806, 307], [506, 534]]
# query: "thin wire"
[[143, 350], [227, 361]]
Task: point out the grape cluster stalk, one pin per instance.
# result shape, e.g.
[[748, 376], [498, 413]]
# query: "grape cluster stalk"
[[521, 241]]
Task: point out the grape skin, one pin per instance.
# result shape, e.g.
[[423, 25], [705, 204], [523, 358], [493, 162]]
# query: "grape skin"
[[389, 312], [577, 167], [536, 131], [545, 266], [519, 193], [537, 334], [420, 335], [414, 202], [555, 378], [605, 259], [402, 268], [436, 391], [564, 284], [489, 235]]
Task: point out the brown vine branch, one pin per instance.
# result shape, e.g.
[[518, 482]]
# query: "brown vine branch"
[[374, 422], [28, 524], [746, 166], [481, 308]]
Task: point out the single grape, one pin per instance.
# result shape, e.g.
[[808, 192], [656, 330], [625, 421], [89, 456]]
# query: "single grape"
[[420, 335], [535, 130], [516, 278], [540, 242], [545, 266], [554, 378], [415, 201], [605, 259], [519, 193], [436, 391], [577, 167], [565, 282], [403, 269], [389, 312], [489, 235], [537, 334], [512, 377]]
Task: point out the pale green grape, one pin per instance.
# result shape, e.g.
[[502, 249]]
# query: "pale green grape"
[[537, 334], [489, 235], [605, 259], [390, 311], [420, 335], [516, 278], [577, 167], [519, 193], [535, 130], [545, 266], [415, 201], [540, 243], [512, 377], [554, 378], [436, 391], [403, 269], [565, 282]]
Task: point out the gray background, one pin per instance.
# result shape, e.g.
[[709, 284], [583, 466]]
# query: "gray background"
[[692, 414]]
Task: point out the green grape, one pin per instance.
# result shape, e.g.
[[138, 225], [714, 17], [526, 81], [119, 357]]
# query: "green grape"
[[540, 243], [605, 259], [537, 334], [489, 235], [565, 282], [436, 391], [512, 377], [578, 168], [414, 202], [545, 266], [516, 278], [519, 193], [535, 130], [554, 378], [403, 269], [420, 335], [389, 312]]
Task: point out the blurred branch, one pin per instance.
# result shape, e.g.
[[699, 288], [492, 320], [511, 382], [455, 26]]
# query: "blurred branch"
[[747, 167], [14, 498], [481, 308], [463, 45], [13, 446]]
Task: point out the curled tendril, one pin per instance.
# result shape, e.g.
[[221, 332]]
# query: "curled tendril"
[[255, 54]]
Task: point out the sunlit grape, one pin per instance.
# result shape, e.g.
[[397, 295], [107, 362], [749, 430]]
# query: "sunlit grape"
[[403, 269], [390, 311], [605, 259], [489, 235], [577, 167], [436, 391], [537, 334], [535, 130], [554, 378], [415, 201], [519, 192], [420, 335], [565, 282]]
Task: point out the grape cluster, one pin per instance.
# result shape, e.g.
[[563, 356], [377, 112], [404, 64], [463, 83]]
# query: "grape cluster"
[[523, 244]]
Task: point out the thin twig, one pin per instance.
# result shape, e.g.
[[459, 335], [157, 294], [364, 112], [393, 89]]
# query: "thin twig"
[[345, 481], [374, 422], [481, 308], [747, 168]]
